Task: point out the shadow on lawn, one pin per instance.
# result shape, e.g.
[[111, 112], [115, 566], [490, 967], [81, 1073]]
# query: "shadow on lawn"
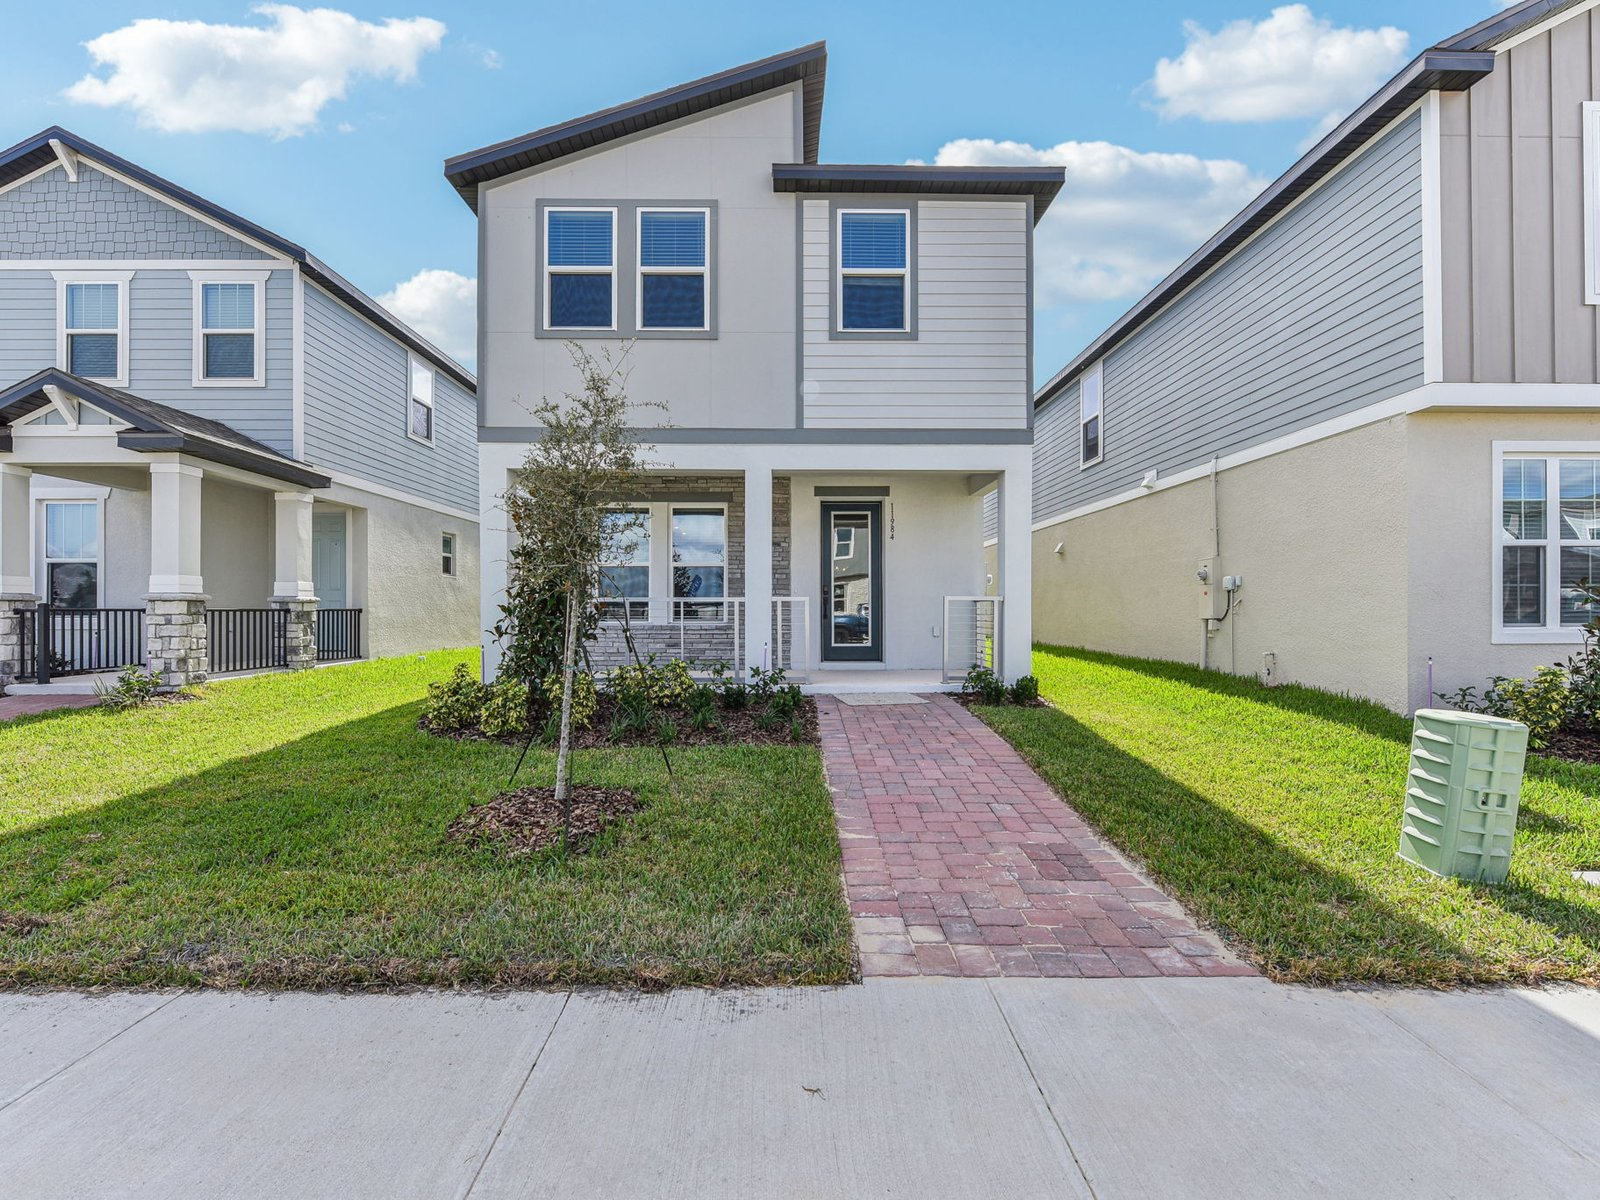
[[1297, 920]]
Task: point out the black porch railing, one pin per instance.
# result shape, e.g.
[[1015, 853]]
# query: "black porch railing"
[[77, 641], [338, 634], [246, 639]]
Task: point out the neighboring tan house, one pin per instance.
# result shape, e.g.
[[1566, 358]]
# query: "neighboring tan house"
[[1368, 410], [841, 357], [215, 453]]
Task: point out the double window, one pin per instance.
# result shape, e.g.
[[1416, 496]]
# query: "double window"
[[93, 335], [1548, 555], [228, 346], [686, 569], [72, 553], [874, 272], [1091, 405], [580, 268], [588, 270], [419, 405]]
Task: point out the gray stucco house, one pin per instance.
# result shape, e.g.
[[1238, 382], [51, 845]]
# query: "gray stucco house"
[[840, 356], [1367, 411], [215, 453]]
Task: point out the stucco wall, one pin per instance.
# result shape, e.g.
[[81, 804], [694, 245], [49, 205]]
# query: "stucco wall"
[[397, 576], [1319, 534]]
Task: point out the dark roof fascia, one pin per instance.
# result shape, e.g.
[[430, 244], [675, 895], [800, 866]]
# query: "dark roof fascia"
[[1502, 25], [151, 431], [1432, 70], [1042, 183], [26, 157], [806, 65]]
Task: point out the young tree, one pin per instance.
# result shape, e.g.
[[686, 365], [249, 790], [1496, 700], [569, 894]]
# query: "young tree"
[[561, 505]]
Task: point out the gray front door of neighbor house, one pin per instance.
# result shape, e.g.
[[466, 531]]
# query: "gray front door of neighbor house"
[[328, 559], [852, 573]]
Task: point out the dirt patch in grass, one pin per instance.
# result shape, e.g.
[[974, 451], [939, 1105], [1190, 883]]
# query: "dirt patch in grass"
[[20, 924], [731, 727], [529, 819]]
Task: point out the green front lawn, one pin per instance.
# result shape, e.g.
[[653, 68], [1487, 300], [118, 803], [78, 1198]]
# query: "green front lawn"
[[289, 830], [1274, 815]]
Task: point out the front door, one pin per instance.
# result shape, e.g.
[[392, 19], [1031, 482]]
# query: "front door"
[[852, 574], [328, 560]]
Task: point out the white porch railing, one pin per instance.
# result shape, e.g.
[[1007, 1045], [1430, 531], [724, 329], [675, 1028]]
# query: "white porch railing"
[[703, 630], [972, 633]]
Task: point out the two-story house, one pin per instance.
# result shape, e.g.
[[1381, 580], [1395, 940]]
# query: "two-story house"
[[1354, 440], [840, 356], [215, 453]]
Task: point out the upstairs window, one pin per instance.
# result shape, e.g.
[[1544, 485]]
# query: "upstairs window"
[[580, 268], [1090, 404], [229, 336], [672, 268], [93, 331], [419, 418], [1549, 550], [874, 250]]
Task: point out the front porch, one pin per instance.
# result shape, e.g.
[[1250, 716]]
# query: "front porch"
[[135, 534]]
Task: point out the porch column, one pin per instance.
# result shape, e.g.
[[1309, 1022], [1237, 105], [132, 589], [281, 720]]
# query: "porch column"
[[1014, 561], [175, 607], [17, 598], [292, 588], [758, 567]]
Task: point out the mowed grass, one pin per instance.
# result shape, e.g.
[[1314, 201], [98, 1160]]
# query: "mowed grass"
[[290, 830], [1274, 815]]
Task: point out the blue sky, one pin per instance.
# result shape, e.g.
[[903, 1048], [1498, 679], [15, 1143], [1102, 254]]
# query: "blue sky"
[[330, 127]]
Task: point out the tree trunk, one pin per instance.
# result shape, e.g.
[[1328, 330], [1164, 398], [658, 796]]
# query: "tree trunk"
[[564, 747]]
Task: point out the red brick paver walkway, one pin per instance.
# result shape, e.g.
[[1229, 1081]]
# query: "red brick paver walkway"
[[960, 860], [18, 706]]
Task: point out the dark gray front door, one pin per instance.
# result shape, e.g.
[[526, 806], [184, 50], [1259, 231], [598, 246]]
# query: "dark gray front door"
[[852, 574]]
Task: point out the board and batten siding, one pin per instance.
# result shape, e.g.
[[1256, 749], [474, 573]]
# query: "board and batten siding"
[[1319, 315], [968, 366], [1511, 228], [161, 346], [356, 400]]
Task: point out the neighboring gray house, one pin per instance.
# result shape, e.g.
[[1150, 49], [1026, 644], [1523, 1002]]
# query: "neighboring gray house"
[[840, 355], [215, 453], [1368, 410]]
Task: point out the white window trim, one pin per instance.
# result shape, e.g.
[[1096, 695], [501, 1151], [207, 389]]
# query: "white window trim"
[[413, 361], [1591, 201], [703, 270], [1095, 373], [841, 271], [1547, 634], [45, 496], [122, 279], [850, 541], [544, 241], [451, 554], [661, 563], [198, 280]]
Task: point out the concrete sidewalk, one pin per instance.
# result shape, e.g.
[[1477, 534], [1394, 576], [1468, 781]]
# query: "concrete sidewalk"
[[901, 1087]]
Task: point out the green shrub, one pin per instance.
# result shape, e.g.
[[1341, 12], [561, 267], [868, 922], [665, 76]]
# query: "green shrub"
[[585, 698], [457, 703], [785, 702], [666, 730], [797, 730], [505, 708], [1541, 703], [1024, 691], [983, 686], [734, 695], [662, 685], [134, 688]]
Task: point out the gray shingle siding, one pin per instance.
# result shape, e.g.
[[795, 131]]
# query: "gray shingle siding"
[[101, 217], [1319, 316], [356, 388]]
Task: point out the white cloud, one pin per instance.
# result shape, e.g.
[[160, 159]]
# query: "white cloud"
[[1291, 65], [443, 307], [1123, 219], [192, 77]]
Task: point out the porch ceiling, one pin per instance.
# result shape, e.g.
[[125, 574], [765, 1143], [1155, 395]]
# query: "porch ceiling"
[[152, 427]]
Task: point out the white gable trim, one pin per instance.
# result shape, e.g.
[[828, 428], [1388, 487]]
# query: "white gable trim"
[[67, 157], [30, 177]]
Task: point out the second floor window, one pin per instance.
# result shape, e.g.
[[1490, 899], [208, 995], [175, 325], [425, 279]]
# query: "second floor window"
[[580, 268], [228, 333], [419, 412], [93, 330], [1091, 404], [874, 249], [672, 268]]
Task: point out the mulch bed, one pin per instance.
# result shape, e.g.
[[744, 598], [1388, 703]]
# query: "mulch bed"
[[735, 727], [529, 819], [1579, 744]]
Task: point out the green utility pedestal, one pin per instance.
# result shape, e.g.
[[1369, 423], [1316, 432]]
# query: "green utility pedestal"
[[1462, 790]]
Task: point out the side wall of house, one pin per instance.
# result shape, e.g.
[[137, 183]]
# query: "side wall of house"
[[1512, 221], [1319, 315]]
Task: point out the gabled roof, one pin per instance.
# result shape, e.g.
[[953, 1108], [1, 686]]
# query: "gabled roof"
[[154, 427], [36, 153], [807, 66], [1042, 183], [1453, 65]]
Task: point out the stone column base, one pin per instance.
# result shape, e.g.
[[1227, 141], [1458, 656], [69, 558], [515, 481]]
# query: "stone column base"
[[16, 617], [176, 643], [301, 637]]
